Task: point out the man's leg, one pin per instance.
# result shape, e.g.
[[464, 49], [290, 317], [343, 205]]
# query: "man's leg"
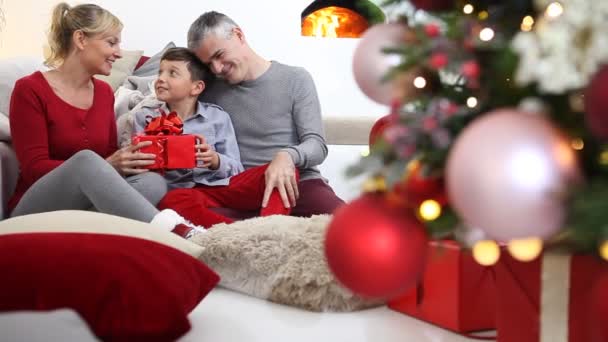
[[316, 197]]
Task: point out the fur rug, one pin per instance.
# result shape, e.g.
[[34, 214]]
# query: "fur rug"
[[279, 258]]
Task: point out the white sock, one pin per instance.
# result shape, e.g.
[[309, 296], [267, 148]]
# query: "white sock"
[[167, 219]]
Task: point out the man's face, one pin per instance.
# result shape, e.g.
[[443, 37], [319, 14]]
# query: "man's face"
[[224, 56]]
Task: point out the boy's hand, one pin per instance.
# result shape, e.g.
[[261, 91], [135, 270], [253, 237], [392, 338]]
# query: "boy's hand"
[[208, 156]]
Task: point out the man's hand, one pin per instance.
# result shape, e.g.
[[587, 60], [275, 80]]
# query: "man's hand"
[[281, 174], [128, 160]]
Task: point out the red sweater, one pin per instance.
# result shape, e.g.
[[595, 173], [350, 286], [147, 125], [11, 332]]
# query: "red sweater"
[[47, 130]]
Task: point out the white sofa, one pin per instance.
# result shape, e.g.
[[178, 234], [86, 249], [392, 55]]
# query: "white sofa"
[[339, 131]]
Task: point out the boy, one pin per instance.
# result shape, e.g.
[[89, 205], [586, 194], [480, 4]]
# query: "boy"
[[220, 180]]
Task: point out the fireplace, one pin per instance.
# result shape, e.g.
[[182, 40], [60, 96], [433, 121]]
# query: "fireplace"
[[340, 18]]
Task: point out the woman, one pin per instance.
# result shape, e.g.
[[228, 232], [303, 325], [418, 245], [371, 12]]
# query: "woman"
[[64, 131]]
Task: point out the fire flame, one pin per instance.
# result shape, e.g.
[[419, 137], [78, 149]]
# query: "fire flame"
[[334, 22]]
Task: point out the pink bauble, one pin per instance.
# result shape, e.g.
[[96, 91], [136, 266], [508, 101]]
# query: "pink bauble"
[[507, 175], [371, 64], [374, 250], [596, 105]]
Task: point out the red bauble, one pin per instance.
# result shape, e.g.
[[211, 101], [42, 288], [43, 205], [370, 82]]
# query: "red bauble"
[[433, 5], [417, 188], [378, 128], [596, 104], [375, 250]]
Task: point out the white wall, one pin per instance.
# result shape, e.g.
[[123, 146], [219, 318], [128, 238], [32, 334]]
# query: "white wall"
[[272, 27]]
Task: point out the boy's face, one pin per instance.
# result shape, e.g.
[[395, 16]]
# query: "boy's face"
[[174, 82]]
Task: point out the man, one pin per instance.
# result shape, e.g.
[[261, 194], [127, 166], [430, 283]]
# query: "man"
[[275, 112]]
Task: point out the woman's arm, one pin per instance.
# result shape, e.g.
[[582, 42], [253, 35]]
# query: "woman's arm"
[[29, 132]]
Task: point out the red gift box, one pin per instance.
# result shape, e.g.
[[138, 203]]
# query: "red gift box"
[[455, 293], [172, 149], [548, 299]]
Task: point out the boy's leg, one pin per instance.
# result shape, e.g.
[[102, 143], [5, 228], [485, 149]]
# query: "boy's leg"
[[246, 191], [193, 205]]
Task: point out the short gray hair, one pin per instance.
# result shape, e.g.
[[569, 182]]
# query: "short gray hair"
[[209, 22]]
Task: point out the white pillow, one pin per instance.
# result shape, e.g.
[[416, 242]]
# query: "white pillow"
[[78, 221], [11, 70]]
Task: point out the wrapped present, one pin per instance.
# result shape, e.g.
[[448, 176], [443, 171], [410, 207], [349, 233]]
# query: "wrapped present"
[[548, 299], [173, 149], [455, 293]]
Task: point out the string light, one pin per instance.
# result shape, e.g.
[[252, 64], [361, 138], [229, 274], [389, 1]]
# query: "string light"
[[525, 249], [374, 184], [429, 210], [419, 82], [604, 250], [365, 151], [486, 34], [483, 15], [472, 102], [604, 158], [486, 252], [554, 10], [577, 144], [527, 23], [468, 9]]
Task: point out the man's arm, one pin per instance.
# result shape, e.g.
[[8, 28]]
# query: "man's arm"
[[312, 149]]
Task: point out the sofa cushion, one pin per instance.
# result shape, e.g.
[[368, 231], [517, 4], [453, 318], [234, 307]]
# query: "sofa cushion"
[[11, 70], [125, 288], [5, 128], [122, 68], [78, 221], [279, 258], [151, 66]]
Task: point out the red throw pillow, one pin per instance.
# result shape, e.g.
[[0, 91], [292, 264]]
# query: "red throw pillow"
[[141, 61], [125, 288]]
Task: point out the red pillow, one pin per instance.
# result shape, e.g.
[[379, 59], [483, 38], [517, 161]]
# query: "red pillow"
[[141, 61], [125, 288]]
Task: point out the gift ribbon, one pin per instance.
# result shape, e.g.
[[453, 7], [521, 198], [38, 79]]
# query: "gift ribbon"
[[554, 297], [165, 124]]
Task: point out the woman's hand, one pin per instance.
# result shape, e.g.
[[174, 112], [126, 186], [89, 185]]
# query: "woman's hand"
[[128, 160], [206, 154]]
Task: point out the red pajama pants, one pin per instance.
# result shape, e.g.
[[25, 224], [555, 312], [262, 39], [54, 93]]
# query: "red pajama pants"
[[245, 192]]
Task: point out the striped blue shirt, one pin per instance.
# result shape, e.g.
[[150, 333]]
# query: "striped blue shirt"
[[214, 124]]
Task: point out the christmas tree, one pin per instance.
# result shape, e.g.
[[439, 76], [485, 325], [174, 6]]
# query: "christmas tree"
[[497, 127]]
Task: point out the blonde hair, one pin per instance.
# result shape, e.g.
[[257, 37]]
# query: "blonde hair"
[[89, 18]]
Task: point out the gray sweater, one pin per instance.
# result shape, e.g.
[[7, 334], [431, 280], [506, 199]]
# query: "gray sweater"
[[277, 111]]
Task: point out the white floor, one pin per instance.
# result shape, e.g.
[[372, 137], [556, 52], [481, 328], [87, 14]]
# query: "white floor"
[[226, 316]]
